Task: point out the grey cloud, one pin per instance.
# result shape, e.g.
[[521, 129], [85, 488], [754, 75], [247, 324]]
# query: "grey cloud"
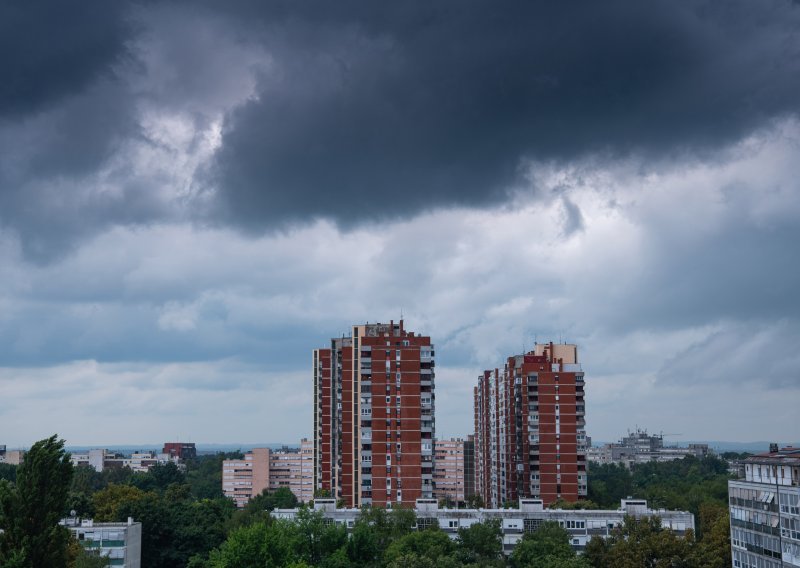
[[359, 112], [378, 113], [49, 50], [763, 354]]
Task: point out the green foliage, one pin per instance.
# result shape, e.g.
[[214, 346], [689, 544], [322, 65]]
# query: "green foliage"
[[683, 484], [159, 477], [204, 474], [475, 502], [432, 544], [259, 507], [30, 509], [642, 543], [480, 543], [107, 502], [8, 472], [175, 527], [731, 456], [574, 505], [543, 548], [79, 557]]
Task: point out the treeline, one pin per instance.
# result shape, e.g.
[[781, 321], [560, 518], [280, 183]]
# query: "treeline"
[[387, 539], [187, 522]]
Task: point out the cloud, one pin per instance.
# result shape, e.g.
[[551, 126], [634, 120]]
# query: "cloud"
[[367, 115], [737, 354], [185, 400], [48, 52], [258, 115]]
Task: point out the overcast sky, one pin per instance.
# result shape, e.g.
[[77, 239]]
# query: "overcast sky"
[[194, 195]]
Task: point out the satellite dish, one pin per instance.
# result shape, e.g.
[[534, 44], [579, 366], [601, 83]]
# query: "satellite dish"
[[72, 513]]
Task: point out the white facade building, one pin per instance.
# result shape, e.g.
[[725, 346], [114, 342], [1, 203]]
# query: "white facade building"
[[581, 525], [765, 511], [120, 542]]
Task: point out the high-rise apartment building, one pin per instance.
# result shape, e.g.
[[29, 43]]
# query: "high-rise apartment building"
[[374, 416], [765, 511], [530, 438]]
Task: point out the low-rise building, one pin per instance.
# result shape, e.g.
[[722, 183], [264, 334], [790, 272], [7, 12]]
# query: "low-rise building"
[[13, 457], [641, 447], [581, 525], [263, 468], [120, 542], [181, 450], [293, 468], [765, 510], [141, 462]]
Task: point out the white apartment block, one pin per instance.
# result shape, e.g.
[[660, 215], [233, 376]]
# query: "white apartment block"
[[581, 525], [765, 511], [121, 543]]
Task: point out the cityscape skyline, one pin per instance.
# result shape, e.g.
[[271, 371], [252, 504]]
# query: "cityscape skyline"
[[194, 196]]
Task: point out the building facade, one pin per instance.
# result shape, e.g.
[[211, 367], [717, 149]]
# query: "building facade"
[[641, 447], [140, 462], [581, 525], [293, 468], [181, 450], [449, 473], [267, 469], [245, 478], [121, 543], [530, 436], [374, 419], [765, 511]]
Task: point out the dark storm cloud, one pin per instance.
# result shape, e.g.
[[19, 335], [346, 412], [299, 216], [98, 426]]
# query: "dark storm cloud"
[[375, 111], [52, 49]]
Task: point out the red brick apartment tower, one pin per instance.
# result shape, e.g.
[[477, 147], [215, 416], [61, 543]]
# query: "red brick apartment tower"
[[374, 416], [530, 438]]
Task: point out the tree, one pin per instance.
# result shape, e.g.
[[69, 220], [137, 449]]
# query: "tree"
[[545, 547], [268, 543], [31, 509], [480, 543], [714, 548], [642, 543], [204, 474], [79, 557], [475, 502], [108, 502], [8, 472], [432, 544]]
